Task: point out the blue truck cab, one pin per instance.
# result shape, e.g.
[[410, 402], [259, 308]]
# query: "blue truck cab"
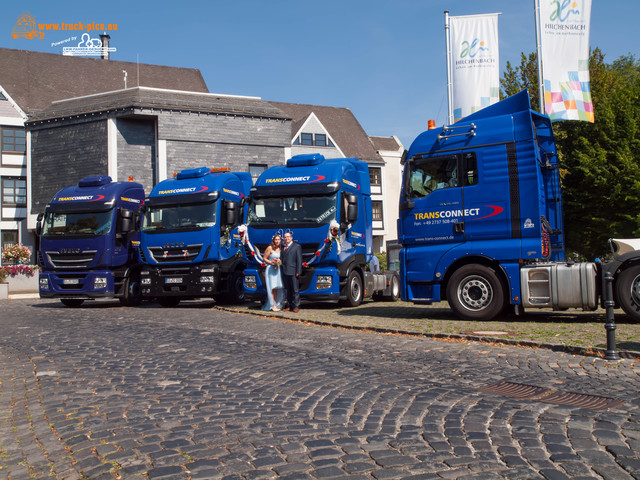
[[190, 247], [481, 224], [326, 205], [89, 240]]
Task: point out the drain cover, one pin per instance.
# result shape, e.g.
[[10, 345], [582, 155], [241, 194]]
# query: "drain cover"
[[523, 391]]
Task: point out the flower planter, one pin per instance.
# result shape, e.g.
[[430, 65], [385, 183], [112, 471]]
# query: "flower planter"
[[21, 283]]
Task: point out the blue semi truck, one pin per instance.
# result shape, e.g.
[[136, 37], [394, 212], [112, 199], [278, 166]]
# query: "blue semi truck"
[[326, 204], [190, 247], [481, 221], [89, 240]]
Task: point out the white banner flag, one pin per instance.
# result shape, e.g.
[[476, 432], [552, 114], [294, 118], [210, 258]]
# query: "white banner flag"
[[564, 35], [474, 63]]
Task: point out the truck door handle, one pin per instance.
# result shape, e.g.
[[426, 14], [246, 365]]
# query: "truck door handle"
[[458, 227]]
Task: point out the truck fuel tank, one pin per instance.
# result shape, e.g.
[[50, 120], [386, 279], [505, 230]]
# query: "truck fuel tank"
[[559, 286]]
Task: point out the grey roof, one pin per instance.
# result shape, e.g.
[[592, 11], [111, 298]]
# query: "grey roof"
[[35, 80], [341, 124], [159, 99], [390, 144]]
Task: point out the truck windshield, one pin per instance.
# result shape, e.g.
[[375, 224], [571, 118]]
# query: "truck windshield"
[[85, 224], [286, 211], [179, 217]]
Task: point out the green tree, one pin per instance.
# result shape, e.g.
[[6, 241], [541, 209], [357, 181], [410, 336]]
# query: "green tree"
[[600, 162]]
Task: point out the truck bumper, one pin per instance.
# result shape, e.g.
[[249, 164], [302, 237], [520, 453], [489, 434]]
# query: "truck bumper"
[[190, 281], [316, 285], [79, 284]]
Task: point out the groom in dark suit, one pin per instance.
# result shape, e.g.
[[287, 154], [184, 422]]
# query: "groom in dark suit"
[[291, 270]]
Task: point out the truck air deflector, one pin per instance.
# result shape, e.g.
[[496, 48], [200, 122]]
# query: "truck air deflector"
[[293, 190], [185, 199], [514, 190]]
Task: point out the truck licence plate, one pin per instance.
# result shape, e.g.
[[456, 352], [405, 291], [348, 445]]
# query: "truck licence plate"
[[70, 281], [173, 280]]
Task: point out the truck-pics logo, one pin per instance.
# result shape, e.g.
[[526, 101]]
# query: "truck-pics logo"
[[179, 191], [305, 179], [26, 27], [81, 198]]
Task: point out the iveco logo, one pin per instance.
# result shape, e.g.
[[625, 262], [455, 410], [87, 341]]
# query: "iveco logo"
[[69, 250], [173, 245]]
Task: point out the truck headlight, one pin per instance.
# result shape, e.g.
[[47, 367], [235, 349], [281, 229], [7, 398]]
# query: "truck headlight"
[[44, 283], [207, 279], [206, 270], [99, 282], [250, 281], [146, 281], [324, 281]]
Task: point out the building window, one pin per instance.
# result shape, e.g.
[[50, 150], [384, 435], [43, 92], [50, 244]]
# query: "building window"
[[14, 192], [376, 210], [255, 170], [306, 139], [14, 139], [321, 140], [2, 97], [318, 139], [375, 176]]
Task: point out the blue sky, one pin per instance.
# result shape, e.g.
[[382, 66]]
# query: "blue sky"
[[384, 60]]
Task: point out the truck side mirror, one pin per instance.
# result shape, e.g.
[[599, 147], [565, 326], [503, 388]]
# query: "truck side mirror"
[[126, 221], [230, 212], [39, 224], [352, 208]]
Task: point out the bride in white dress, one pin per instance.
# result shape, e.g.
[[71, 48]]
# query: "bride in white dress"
[[272, 276]]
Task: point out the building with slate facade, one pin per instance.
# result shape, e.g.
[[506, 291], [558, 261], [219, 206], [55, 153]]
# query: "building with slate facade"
[[63, 118]]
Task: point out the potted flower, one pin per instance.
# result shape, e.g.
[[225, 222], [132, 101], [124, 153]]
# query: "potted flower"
[[4, 286], [21, 276]]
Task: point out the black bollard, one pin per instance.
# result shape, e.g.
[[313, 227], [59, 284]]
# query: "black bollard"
[[610, 326]]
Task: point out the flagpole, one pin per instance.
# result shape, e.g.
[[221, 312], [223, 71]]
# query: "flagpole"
[[449, 82], [536, 8]]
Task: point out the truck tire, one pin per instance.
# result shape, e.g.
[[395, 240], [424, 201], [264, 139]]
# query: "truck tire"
[[169, 302], [72, 302], [628, 291], [132, 294], [353, 290], [235, 293], [475, 292], [394, 288]]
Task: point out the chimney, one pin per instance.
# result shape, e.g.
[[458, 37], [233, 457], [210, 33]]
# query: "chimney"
[[105, 46]]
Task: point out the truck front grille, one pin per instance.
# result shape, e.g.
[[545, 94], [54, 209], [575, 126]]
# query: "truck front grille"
[[175, 255], [71, 260]]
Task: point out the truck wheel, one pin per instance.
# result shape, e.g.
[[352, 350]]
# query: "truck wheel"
[[354, 290], [394, 293], [628, 291], [235, 294], [72, 302], [169, 302], [475, 292], [236, 287], [132, 294]]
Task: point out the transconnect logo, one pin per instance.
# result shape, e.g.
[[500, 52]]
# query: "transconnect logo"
[[232, 192], [302, 179], [179, 191], [80, 198], [467, 212]]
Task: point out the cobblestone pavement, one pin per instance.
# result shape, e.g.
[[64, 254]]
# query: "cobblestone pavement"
[[107, 392]]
